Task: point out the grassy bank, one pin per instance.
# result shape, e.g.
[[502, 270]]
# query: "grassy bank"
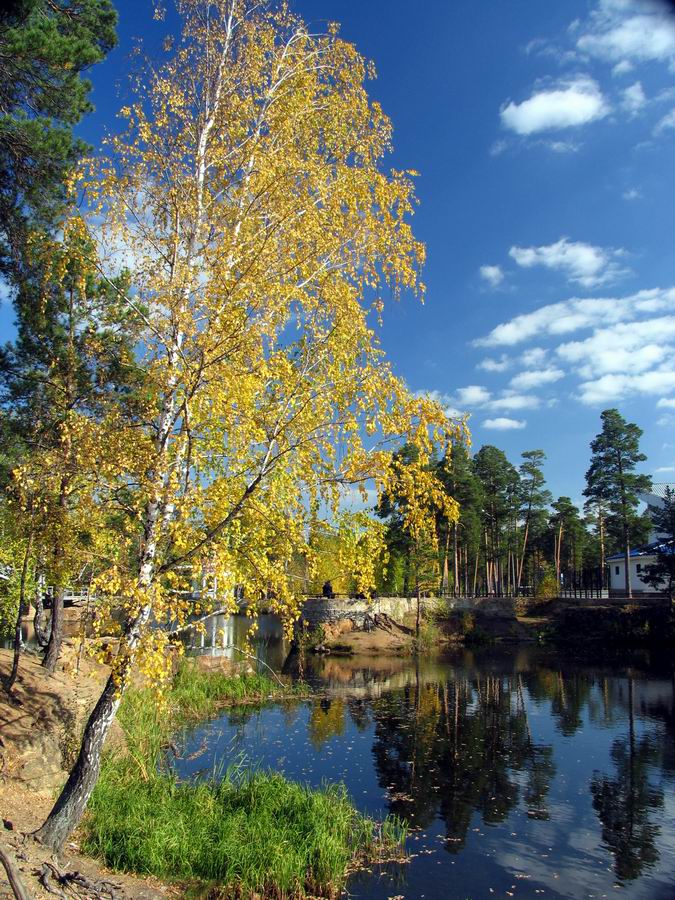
[[245, 833]]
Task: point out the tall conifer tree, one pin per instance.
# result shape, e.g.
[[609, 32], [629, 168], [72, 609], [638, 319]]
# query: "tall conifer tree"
[[611, 479]]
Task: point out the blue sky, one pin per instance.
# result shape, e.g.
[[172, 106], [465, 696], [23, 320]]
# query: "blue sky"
[[544, 135]]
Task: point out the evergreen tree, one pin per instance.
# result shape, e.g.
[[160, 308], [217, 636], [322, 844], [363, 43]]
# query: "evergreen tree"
[[45, 47], [500, 485], [612, 481], [462, 539], [569, 539], [533, 497]]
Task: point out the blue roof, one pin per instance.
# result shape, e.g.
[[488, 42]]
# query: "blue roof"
[[667, 547]]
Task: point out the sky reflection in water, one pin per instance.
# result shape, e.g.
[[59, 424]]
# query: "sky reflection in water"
[[524, 773]]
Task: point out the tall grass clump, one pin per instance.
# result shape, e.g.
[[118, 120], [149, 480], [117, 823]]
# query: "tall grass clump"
[[245, 833], [197, 694]]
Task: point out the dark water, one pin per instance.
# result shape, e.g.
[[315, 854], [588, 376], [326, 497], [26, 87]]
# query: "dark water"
[[523, 774]]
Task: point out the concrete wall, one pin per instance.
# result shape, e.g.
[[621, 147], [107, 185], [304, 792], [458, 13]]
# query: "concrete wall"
[[319, 610], [617, 568]]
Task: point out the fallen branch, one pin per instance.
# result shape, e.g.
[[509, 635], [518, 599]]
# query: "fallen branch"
[[13, 876]]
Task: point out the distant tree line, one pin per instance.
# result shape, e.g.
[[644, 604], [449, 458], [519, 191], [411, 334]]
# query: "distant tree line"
[[512, 537]]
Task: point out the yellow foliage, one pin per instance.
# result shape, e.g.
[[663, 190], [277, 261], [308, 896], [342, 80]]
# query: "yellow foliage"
[[248, 200]]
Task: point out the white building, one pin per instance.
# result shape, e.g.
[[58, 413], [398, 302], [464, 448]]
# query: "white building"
[[640, 557]]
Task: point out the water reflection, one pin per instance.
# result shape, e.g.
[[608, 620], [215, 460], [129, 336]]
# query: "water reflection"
[[222, 635], [523, 769], [454, 748]]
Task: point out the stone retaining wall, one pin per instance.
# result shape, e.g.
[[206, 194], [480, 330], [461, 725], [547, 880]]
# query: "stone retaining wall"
[[320, 610]]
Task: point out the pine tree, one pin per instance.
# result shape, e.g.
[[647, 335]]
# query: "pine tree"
[[611, 480], [534, 497], [44, 49], [500, 482]]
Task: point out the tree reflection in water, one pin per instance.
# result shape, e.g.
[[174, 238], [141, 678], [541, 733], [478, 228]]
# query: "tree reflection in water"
[[454, 748], [624, 802]]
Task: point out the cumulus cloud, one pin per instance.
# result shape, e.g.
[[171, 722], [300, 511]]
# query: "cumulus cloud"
[[581, 263], [512, 402], [614, 387], [665, 123], [576, 314], [503, 423], [535, 378], [632, 194], [449, 406], [566, 105], [472, 395], [493, 275], [499, 364], [533, 357], [622, 68], [633, 99], [625, 33], [627, 348], [666, 403]]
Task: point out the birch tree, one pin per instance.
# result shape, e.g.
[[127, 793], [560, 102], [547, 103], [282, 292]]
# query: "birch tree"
[[247, 198]]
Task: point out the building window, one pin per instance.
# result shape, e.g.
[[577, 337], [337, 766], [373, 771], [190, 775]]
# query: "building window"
[[639, 567], [616, 570]]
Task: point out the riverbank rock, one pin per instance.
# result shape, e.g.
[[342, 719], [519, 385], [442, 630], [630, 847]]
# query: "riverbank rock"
[[41, 722]]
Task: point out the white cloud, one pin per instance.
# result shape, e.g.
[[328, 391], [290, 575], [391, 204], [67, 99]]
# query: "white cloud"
[[614, 387], [624, 348], [576, 314], [504, 424], [449, 407], [581, 263], [495, 365], [663, 469], [472, 395], [511, 402], [562, 146], [526, 381], [623, 33], [666, 123], [666, 403], [632, 194], [492, 274], [533, 357], [569, 104], [633, 99], [622, 68]]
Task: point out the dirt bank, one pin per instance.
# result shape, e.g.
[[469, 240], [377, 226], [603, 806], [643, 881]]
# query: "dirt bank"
[[40, 727]]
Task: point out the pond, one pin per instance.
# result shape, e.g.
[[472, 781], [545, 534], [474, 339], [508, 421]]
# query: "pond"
[[523, 773]]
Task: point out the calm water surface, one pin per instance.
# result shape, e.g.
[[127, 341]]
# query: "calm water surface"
[[523, 773]]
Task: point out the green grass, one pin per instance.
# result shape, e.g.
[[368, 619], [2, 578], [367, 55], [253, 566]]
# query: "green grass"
[[197, 694], [247, 833]]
